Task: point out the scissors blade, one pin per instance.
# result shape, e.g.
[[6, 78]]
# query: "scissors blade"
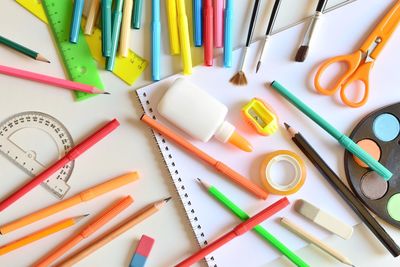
[[376, 41]]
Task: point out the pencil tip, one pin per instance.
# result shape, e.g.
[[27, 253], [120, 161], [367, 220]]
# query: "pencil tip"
[[87, 214], [199, 180], [106, 93], [258, 66], [287, 126], [167, 199], [48, 61]]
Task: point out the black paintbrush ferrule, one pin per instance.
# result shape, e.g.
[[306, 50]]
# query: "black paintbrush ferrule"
[[321, 5], [274, 14], [253, 20], [357, 206]]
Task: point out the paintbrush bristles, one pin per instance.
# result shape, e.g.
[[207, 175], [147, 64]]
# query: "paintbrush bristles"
[[302, 53], [239, 79]]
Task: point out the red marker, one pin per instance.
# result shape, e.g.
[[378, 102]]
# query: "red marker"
[[208, 33], [70, 156], [241, 229]]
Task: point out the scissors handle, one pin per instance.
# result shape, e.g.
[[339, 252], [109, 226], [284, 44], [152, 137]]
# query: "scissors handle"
[[361, 75], [352, 61]]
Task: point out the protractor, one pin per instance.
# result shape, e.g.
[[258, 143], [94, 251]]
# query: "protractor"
[[32, 141]]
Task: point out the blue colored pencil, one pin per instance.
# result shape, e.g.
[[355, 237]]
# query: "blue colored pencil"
[[76, 21], [198, 23], [106, 27], [156, 40], [116, 29], [228, 34]]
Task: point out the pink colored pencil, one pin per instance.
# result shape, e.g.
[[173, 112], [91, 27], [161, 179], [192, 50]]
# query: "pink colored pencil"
[[218, 23], [208, 33], [71, 155], [37, 77]]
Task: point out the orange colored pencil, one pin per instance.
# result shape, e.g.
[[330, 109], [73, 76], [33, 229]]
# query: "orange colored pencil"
[[91, 228], [52, 229], [83, 196], [218, 165]]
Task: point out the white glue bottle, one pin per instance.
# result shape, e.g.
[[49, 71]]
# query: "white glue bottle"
[[199, 114]]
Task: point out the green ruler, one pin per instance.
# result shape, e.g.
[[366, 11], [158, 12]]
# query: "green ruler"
[[77, 58]]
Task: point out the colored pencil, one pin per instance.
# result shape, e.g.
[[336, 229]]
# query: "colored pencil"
[[218, 165], [208, 33], [107, 215], [155, 40], [228, 34], [76, 21], [315, 241], [261, 231], [116, 29], [173, 27], [125, 28], [71, 155], [240, 229], [52, 229], [184, 39], [92, 17], [336, 182], [137, 14], [268, 33], [41, 78], [22, 49], [83, 196], [218, 23], [115, 232], [106, 27], [342, 139], [197, 23]]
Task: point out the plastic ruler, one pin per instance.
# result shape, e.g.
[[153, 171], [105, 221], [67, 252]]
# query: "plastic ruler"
[[127, 69], [23, 149]]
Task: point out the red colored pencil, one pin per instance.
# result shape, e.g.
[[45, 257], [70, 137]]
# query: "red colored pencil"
[[71, 155], [240, 229], [208, 33]]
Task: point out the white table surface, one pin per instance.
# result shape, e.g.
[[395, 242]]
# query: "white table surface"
[[173, 237]]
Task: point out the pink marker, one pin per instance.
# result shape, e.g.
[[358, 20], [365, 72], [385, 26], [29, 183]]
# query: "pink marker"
[[218, 23]]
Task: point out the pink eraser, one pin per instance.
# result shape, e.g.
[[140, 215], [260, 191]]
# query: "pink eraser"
[[145, 245]]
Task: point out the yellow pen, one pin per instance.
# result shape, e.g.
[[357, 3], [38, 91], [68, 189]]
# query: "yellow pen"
[[173, 27], [183, 29]]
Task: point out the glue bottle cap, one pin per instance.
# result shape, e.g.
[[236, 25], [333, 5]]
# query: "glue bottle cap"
[[239, 141]]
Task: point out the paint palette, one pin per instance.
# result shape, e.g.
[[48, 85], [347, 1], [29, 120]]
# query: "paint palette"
[[378, 133]]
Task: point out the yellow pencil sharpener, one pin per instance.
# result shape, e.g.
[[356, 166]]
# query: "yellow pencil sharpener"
[[260, 117]]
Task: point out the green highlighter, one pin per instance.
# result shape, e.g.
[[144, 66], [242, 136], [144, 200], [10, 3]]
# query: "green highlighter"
[[343, 139], [261, 231], [116, 29]]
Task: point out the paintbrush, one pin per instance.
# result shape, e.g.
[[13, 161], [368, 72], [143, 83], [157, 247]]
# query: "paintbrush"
[[240, 78], [268, 33], [303, 50]]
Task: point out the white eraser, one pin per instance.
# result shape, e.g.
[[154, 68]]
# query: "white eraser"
[[323, 219]]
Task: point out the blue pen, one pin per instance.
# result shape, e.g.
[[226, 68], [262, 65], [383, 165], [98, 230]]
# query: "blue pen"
[[106, 27], [156, 40], [76, 21], [228, 34], [116, 29], [198, 23]]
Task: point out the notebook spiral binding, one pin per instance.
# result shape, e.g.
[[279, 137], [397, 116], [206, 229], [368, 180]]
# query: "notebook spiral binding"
[[177, 180]]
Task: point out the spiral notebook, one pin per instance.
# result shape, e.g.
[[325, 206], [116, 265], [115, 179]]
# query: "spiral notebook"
[[342, 31]]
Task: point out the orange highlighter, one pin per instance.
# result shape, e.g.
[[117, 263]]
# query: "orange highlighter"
[[83, 196], [91, 228], [52, 229], [218, 165]]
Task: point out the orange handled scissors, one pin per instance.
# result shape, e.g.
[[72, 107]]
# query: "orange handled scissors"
[[359, 63]]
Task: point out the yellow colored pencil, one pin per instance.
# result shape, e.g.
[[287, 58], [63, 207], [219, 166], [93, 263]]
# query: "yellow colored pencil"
[[52, 229]]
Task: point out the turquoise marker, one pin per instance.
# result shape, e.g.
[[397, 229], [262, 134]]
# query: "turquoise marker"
[[106, 27], [116, 28], [228, 34], [155, 40], [137, 14], [344, 140], [76, 21]]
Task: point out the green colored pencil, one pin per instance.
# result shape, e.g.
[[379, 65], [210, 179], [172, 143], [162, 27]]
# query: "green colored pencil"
[[261, 231], [22, 49]]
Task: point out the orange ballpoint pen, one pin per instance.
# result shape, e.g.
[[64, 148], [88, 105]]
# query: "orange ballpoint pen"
[[91, 228], [360, 63], [83, 196]]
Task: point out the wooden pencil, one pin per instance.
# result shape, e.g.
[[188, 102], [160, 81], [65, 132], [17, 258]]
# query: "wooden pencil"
[[22, 49]]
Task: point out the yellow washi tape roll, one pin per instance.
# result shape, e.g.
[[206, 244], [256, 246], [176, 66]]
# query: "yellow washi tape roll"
[[296, 182]]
